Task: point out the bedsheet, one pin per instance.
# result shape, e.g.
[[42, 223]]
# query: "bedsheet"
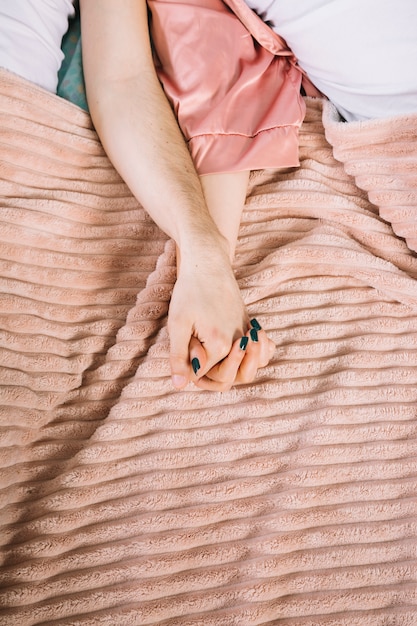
[[289, 501]]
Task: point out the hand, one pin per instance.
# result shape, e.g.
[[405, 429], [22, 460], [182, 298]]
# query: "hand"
[[248, 354], [206, 315], [207, 322]]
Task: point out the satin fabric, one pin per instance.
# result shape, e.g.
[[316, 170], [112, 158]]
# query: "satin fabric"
[[233, 83]]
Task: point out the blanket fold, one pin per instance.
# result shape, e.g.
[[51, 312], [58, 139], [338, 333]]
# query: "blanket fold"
[[382, 157], [288, 501]]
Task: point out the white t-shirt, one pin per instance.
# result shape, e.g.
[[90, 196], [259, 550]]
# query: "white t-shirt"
[[31, 34], [360, 53]]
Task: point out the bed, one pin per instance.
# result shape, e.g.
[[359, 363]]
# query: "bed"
[[289, 501]]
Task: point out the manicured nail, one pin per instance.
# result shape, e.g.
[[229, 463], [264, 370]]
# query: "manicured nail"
[[254, 334], [195, 364], [243, 343], [255, 324]]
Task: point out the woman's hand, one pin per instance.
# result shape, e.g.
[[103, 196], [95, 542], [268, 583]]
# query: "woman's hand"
[[248, 354]]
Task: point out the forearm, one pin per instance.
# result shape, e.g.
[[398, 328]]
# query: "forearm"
[[225, 196], [147, 149], [137, 126]]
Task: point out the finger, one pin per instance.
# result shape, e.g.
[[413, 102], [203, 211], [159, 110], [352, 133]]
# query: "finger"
[[250, 364], [267, 346], [269, 351], [222, 376], [179, 355], [266, 349], [212, 385], [259, 353]]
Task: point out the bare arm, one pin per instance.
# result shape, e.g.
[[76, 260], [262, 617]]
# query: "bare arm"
[[136, 124], [141, 136], [225, 196]]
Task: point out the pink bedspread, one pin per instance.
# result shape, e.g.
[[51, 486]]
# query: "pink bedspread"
[[290, 501]]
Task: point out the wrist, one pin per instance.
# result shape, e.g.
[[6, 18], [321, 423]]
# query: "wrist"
[[203, 252]]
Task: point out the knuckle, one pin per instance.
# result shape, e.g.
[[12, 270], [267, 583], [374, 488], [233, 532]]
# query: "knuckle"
[[222, 345]]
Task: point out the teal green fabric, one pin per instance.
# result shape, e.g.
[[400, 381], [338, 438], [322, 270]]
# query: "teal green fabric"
[[71, 77]]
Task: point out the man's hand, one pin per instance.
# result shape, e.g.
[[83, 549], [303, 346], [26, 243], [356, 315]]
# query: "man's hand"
[[212, 341]]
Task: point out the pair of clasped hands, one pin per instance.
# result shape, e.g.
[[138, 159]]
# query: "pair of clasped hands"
[[213, 343]]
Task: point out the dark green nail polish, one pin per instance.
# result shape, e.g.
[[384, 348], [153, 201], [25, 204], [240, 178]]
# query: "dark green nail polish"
[[254, 334], [195, 364], [243, 343], [255, 324]]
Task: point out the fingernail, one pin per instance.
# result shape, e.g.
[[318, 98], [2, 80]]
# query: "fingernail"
[[178, 381], [243, 343], [254, 334], [255, 324], [195, 364]]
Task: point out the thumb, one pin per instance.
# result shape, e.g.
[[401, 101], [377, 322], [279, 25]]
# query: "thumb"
[[179, 354]]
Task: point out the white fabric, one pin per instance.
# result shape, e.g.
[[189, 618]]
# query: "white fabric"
[[360, 53], [31, 34]]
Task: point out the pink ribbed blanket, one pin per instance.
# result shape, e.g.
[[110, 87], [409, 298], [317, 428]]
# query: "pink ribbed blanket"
[[290, 501]]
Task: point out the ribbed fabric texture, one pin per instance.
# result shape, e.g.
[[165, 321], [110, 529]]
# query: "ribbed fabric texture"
[[290, 501]]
